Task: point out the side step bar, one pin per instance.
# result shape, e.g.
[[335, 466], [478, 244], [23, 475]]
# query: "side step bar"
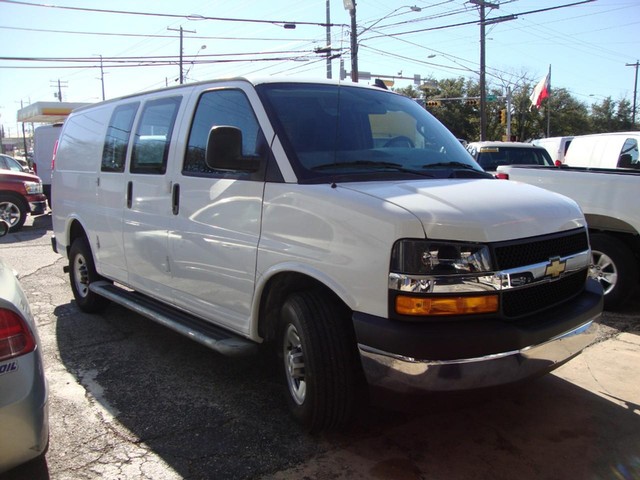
[[209, 335]]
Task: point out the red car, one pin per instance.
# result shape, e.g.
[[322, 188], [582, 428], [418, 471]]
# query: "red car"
[[20, 195]]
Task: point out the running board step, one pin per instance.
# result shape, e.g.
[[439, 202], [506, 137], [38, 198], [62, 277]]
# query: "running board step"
[[207, 334]]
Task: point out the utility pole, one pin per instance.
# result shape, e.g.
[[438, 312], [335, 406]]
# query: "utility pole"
[[351, 6], [635, 89], [329, 72], [58, 95], [483, 67], [181, 35], [102, 77], [483, 89]]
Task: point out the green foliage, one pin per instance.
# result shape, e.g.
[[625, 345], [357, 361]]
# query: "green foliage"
[[568, 116]]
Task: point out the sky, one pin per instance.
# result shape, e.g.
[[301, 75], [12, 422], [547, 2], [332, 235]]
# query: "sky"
[[588, 46]]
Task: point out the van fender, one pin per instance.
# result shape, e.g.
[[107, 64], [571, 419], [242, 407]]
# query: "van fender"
[[319, 276]]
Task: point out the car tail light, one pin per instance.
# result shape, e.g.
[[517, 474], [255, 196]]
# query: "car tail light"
[[558, 163], [15, 337], [502, 176], [53, 157]]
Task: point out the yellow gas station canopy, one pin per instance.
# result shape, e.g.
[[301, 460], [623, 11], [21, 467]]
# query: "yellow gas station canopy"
[[47, 112]]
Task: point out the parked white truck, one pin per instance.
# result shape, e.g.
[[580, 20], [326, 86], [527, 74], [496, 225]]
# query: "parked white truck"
[[341, 223], [609, 200]]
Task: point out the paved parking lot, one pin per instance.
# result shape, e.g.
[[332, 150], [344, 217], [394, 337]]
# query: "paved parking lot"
[[130, 399]]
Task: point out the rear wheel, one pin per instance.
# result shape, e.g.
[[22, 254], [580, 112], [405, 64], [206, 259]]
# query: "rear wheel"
[[614, 267], [82, 273], [319, 361], [13, 210]]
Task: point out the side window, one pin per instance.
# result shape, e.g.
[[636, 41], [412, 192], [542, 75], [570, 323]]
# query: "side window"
[[629, 154], [114, 152], [217, 108], [153, 136]]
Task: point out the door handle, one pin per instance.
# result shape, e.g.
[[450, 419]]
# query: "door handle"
[[175, 199], [129, 194]]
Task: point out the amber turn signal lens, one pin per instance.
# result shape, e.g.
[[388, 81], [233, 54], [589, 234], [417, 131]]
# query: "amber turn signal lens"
[[446, 305]]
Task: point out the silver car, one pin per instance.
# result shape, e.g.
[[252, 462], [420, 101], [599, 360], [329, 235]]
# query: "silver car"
[[24, 419]]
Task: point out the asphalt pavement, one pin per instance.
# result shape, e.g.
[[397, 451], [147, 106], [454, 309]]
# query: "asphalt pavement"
[[131, 399]]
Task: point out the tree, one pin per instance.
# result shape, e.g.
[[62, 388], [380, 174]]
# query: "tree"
[[567, 117], [603, 116]]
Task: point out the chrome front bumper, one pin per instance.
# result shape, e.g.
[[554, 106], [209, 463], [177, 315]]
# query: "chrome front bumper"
[[409, 375]]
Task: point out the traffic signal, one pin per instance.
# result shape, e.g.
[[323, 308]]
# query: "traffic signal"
[[433, 103], [471, 101], [503, 116]]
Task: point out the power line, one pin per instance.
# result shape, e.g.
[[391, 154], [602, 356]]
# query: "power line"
[[284, 23], [475, 22], [140, 35]]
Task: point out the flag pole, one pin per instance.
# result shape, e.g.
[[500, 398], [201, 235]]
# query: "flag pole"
[[549, 105]]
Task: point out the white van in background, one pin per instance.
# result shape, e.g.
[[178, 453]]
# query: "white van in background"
[[44, 142], [556, 146], [605, 150]]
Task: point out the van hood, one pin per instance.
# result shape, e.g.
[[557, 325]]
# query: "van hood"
[[478, 210]]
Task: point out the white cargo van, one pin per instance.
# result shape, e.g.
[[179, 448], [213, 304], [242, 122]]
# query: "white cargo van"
[[341, 223], [556, 146], [44, 141], [605, 150]]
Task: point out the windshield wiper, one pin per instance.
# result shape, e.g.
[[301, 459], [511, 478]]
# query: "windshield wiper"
[[370, 164], [460, 170], [466, 166]]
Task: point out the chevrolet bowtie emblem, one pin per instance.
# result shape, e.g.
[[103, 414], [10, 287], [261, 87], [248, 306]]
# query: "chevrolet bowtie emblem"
[[555, 267]]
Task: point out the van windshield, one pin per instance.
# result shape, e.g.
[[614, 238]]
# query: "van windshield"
[[358, 134]]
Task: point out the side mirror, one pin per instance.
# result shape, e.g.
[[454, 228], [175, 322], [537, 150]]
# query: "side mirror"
[[4, 228], [224, 151], [624, 161]]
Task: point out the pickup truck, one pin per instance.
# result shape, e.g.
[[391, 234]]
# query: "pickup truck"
[[608, 199], [20, 195]]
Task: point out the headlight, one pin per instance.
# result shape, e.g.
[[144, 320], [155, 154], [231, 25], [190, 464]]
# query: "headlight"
[[420, 257], [432, 278], [33, 187]]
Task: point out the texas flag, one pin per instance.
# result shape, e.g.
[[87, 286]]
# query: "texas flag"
[[540, 92]]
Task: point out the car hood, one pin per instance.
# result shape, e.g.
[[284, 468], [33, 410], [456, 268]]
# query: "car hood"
[[11, 176], [479, 210]]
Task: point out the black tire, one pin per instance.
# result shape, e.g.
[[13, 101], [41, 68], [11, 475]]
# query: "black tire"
[[13, 210], [318, 358], [614, 267], [82, 272]]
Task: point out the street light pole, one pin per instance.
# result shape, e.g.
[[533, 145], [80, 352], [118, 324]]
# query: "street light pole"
[[351, 6]]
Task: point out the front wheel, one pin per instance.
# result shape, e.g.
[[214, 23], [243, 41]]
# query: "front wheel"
[[614, 267], [82, 272], [13, 210], [319, 361]]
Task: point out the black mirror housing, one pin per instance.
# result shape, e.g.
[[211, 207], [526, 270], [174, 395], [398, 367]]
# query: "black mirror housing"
[[224, 151]]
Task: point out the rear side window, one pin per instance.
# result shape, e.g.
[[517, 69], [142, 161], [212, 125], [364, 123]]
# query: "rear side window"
[[153, 136], [114, 152], [629, 154], [222, 108]]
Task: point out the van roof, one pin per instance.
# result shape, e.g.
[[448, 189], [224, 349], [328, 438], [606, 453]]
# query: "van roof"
[[248, 79]]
